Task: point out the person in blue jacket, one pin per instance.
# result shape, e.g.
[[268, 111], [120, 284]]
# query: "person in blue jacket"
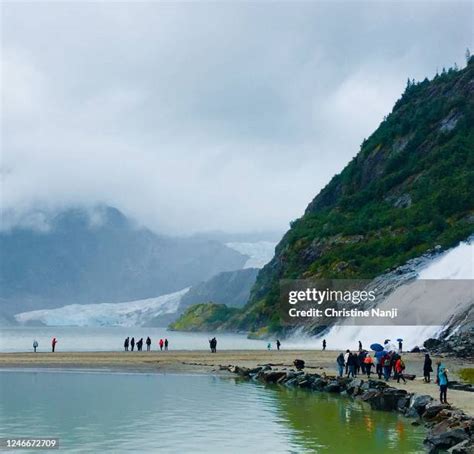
[[443, 383]]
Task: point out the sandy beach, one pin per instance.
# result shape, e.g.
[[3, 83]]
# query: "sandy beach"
[[202, 361]]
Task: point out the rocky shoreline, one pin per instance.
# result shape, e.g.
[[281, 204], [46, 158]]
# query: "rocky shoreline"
[[449, 429]]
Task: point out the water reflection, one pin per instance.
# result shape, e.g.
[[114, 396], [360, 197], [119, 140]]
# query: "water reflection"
[[94, 412], [322, 422]]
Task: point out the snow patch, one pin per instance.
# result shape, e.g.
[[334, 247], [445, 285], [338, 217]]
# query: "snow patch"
[[259, 253]]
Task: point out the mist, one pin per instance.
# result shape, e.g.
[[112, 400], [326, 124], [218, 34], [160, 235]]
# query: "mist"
[[203, 116]]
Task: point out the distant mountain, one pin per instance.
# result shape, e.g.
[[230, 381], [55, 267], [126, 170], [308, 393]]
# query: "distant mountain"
[[231, 288], [104, 258]]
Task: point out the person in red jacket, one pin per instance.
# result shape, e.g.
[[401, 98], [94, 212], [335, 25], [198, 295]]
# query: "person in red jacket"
[[161, 344], [53, 344], [399, 368]]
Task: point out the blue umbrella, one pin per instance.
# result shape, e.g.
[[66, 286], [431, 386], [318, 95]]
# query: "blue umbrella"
[[376, 347], [399, 340], [380, 354]]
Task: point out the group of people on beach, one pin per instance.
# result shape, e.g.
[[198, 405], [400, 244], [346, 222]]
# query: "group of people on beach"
[[388, 364], [129, 344]]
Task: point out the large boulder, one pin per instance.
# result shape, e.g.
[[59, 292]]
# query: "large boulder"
[[445, 440], [418, 403]]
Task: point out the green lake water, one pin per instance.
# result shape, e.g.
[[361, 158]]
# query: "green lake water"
[[177, 413]]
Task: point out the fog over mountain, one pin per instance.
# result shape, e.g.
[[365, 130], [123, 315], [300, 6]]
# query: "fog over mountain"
[[101, 257], [194, 116]]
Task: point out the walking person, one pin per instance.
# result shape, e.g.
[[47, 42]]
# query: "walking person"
[[166, 345], [324, 344], [368, 363], [132, 343], [400, 346], [269, 346], [126, 344], [427, 368], [351, 362], [161, 343], [53, 344], [443, 383], [35, 345], [360, 346], [399, 368], [386, 366], [278, 343], [340, 364], [140, 345], [378, 365], [148, 344]]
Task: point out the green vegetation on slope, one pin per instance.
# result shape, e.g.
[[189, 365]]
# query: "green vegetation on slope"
[[203, 317], [410, 188]]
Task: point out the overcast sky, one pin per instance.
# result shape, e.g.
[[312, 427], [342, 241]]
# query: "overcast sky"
[[201, 116]]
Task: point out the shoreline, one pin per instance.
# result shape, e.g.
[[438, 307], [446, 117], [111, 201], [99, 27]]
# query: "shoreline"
[[204, 362]]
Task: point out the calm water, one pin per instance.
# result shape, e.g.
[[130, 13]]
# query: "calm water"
[[20, 339], [92, 412]]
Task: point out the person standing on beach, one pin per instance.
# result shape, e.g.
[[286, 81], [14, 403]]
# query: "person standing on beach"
[[399, 368], [400, 346], [427, 368], [360, 346], [443, 383], [351, 363], [324, 344], [278, 344], [166, 345], [35, 345], [148, 344], [368, 362], [126, 344], [361, 358], [53, 344], [161, 343], [386, 366], [213, 345], [140, 344], [340, 364], [132, 343], [346, 359]]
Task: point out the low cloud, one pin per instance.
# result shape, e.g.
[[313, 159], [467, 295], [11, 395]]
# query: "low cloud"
[[203, 116]]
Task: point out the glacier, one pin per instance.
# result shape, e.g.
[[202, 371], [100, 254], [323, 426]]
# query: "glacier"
[[259, 253], [456, 263], [131, 313]]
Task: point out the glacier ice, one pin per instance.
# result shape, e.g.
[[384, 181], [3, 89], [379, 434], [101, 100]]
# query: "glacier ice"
[[131, 313], [259, 253]]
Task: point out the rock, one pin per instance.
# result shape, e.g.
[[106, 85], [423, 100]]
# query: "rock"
[[419, 402], [465, 447], [333, 387], [319, 384], [299, 364], [273, 376], [432, 409], [387, 399], [431, 343], [242, 371], [403, 403], [445, 440]]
